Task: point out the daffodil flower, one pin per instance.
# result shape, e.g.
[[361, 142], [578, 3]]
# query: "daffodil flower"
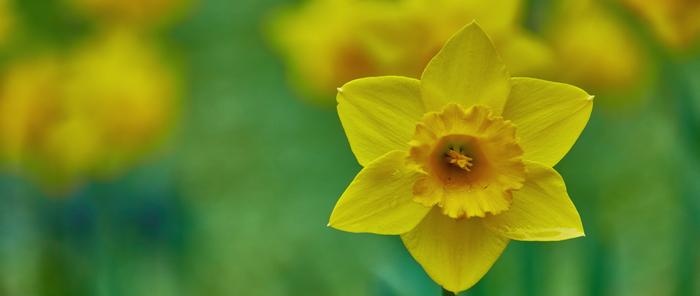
[[329, 42], [676, 22], [575, 32], [93, 113], [460, 162]]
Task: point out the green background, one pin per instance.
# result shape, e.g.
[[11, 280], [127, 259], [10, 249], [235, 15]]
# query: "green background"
[[237, 202]]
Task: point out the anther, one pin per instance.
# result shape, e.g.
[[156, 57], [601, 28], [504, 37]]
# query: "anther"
[[459, 160]]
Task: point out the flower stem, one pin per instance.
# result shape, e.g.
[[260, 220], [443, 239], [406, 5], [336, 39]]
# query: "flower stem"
[[447, 293]]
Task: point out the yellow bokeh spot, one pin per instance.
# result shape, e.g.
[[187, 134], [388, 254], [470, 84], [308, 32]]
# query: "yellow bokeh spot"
[[594, 48], [328, 43], [93, 112], [29, 104], [676, 22]]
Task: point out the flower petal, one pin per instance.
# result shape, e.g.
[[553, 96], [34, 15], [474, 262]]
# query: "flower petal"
[[379, 114], [380, 199], [456, 253], [541, 210], [467, 71], [549, 116]]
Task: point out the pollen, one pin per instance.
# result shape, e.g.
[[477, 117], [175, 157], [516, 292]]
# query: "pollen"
[[471, 159], [458, 159]]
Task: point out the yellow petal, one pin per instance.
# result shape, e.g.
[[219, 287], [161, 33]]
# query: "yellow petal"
[[379, 114], [549, 117], [467, 71], [456, 253], [541, 210], [380, 199]]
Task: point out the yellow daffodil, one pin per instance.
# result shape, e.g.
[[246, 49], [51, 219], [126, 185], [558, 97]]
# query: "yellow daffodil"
[[329, 42], [91, 113], [460, 162], [114, 76], [29, 95], [676, 22], [524, 53], [595, 49], [129, 11]]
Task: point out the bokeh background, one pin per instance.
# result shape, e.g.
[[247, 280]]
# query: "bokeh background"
[[191, 147]]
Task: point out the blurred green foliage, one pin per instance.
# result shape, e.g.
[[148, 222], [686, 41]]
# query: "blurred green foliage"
[[238, 200]]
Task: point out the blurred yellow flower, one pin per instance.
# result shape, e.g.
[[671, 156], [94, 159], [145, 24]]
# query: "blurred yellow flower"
[[595, 49], [460, 162], [123, 87], [130, 11], [29, 97], [524, 53], [329, 42], [676, 22], [92, 113]]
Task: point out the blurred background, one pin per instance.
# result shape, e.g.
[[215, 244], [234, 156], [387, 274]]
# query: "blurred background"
[[191, 147]]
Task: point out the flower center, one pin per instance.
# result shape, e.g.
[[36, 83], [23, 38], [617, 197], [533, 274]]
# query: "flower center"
[[457, 158], [456, 161], [471, 160]]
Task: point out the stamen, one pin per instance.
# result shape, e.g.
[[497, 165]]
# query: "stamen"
[[460, 160]]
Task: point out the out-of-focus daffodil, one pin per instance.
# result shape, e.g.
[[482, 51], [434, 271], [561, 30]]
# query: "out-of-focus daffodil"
[[130, 11], [595, 49], [92, 113], [460, 162], [29, 104], [523, 52], [329, 42], [122, 86], [676, 22]]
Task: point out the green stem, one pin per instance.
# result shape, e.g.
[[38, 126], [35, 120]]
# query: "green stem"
[[447, 293]]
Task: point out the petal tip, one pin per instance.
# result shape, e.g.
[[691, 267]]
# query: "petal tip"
[[451, 290], [591, 97], [575, 233], [482, 76], [473, 26], [333, 219], [335, 226], [473, 23]]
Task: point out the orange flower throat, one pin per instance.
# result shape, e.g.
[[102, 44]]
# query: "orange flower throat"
[[471, 159]]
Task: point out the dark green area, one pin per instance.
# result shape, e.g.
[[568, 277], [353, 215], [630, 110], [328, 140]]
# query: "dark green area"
[[238, 203]]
